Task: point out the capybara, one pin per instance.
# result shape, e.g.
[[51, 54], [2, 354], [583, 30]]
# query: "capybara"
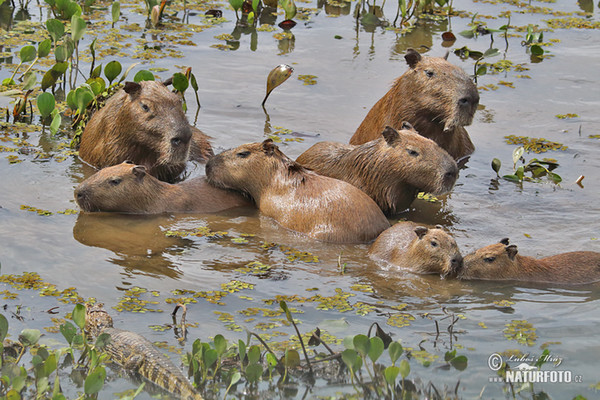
[[436, 97], [324, 208], [128, 188], [418, 249], [391, 169], [145, 123], [500, 261]]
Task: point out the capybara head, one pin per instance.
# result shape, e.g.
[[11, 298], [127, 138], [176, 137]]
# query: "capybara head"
[[124, 187], [434, 251], [496, 261], [444, 92], [250, 167], [413, 159]]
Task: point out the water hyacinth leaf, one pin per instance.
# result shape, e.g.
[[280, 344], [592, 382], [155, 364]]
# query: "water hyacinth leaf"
[[143, 75], [253, 354], [68, 331], [555, 177], [210, 357], [46, 103], [235, 378], [520, 172], [254, 372], [56, 121], [193, 82], [78, 315], [291, 359], [27, 54], [276, 77], [112, 70], [241, 350], [496, 164], [250, 18], [44, 48], [517, 154], [376, 348], [511, 177], [97, 85], [180, 82], [102, 340], [459, 362], [370, 19], [95, 380], [96, 72], [77, 27], [469, 34], [60, 53], [289, 7], [362, 344], [55, 28], [50, 364], [402, 4], [395, 351], [286, 310], [391, 373], [482, 70], [349, 357], [404, 368], [29, 80], [236, 4], [537, 50], [115, 11], [29, 337], [127, 71], [491, 53], [3, 327], [220, 344]]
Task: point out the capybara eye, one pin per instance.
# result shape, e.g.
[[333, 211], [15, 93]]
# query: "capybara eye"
[[243, 154], [429, 73], [114, 181], [145, 107], [412, 153], [489, 259], [434, 244]]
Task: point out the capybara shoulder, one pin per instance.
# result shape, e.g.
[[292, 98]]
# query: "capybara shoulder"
[[501, 261], [145, 123], [439, 99], [391, 169], [128, 188], [418, 249], [323, 208]]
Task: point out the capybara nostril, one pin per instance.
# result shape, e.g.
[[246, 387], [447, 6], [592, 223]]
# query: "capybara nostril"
[[456, 263], [176, 142], [464, 101]]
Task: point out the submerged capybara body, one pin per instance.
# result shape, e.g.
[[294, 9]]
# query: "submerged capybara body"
[[128, 188], [436, 97], [500, 261], [418, 249], [391, 169], [323, 208], [145, 123]]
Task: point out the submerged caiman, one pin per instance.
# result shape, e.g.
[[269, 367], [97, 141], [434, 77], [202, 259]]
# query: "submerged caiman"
[[136, 353]]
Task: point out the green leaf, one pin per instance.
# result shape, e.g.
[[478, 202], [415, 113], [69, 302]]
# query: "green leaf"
[[369, 19], [468, 34], [253, 354], [54, 125], [235, 378], [255, 4], [496, 164], [68, 330], [112, 70], [29, 81], [482, 70], [220, 344], [210, 357], [289, 7], [46, 103], [520, 172], [97, 85], [404, 368], [29, 337], [459, 362], [537, 50], [127, 71], [236, 4], [241, 350], [78, 26], [254, 372], [555, 177], [143, 75], [376, 348], [115, 11], [395, 351], [511, 177], [491, 53], [517, 154], [180, 82], [286, 310], [55, 28], [349, 357], [44, 48], [391, 373], [50, 364], [362, 344], [449, 355], [3, 328], [96, 72], [193, 82], [78, 314], [95, 380], [83, 97], [102, 340], [291, 359], [27, 54]]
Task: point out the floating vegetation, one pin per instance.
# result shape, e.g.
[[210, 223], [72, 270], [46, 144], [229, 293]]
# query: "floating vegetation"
[[254, 268], [281, 131], [572, 22], [400, 320], [131, 301], [362, 288], [536, 145], [521, 331], [203, 231], [39, 211], [507, 84], [235, 286], [308, 79], [566, 116], [428, 197], [503, 303], [291, 253]]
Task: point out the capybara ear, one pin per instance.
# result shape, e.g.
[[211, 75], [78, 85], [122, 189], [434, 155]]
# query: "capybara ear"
[[421, 231], [132, 88], [504, 241], [269, 147], [511, 251], [412, 57], [391, 135], [139, 171], [407, 126]]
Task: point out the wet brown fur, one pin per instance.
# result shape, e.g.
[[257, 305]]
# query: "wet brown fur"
[[391, 169], [323, 208], [128, 188], [418, 249], [436, 97], [500, 261], [144, 123]]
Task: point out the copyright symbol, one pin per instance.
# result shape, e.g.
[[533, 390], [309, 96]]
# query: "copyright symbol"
[[495, 362]]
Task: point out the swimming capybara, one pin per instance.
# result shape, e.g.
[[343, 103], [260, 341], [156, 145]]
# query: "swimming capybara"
[[128, 188], [418, 249], [324, 208], [145, 123], [391, 169], [436, 97], [500, 261]]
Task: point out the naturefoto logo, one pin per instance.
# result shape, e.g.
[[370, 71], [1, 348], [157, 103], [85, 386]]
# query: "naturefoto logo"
[[525, 372]]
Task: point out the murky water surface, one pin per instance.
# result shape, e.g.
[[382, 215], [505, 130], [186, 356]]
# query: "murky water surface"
[[105, 256]]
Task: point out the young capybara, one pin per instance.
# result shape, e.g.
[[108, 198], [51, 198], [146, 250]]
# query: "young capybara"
[[128, 188], [391, 169], [145, 123], [500, 261], [324, 208], [436, 97], [417, 249]]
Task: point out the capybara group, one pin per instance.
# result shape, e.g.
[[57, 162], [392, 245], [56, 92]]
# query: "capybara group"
[[417, 249], [145, 123], [128, 188], [500, 261], [324, 208], [439, 99], [391, 169]]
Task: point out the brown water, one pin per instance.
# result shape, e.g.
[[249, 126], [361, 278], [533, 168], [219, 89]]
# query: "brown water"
[[104, 255]]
